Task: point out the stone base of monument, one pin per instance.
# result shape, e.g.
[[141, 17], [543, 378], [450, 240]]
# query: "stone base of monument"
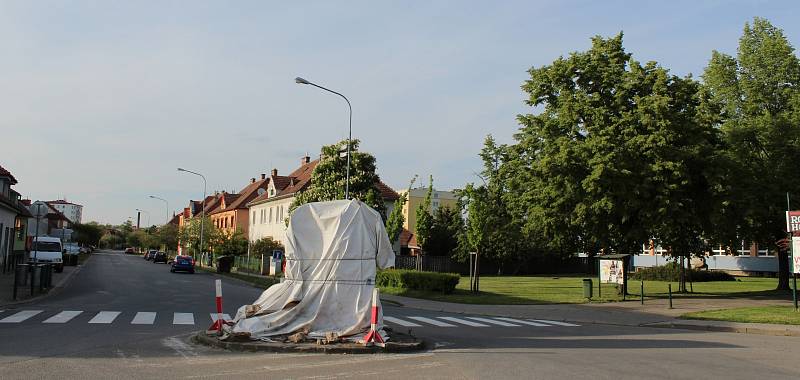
[[398, 342]]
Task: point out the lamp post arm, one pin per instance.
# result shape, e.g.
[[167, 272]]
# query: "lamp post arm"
[[349, 136]]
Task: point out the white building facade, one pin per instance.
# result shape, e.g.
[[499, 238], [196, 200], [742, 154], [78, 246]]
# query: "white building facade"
[[73, 212]]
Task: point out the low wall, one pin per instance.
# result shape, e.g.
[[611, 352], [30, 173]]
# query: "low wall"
[[739, 264]]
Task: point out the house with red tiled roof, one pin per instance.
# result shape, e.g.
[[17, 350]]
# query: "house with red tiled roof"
[[13, 222], [268, 212], [230, 213]]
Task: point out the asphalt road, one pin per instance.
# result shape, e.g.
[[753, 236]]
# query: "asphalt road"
[[141, 325]]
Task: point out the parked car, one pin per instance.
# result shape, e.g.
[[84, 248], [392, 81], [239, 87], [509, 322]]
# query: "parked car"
[[129, 250], [160, 257], [151, 254], [182, 263]]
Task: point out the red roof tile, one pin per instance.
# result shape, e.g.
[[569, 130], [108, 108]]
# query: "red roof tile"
[[6, 173], [61, 202], [247, 194]]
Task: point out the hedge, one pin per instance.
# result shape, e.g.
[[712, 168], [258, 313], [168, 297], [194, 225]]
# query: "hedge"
[[672, 272], [412, 279]]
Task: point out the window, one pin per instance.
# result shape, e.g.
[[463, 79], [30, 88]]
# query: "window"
[[270, 215], [254, 218]]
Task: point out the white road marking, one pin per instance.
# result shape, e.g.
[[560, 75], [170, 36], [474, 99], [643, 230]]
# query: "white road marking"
[[105, 317], [182, 318], [555, 322], [63, 317], [499, 323], [20, 316], [144, 318], [225, 317], [512, 320], [400, 322], [464, 322], [432, 321]]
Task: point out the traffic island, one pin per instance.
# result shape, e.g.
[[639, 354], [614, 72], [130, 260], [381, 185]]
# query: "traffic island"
[[398, 343]]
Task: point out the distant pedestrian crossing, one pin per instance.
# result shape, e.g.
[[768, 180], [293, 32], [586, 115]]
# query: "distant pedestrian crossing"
[[110, 317]]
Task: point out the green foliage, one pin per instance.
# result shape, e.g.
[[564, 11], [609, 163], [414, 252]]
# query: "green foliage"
[[87, 234], [395, 221], [329, 178], [754, 98], [672, 272], [411, 279], [234, 244], [424, 226], [112, 241], [189, 235], [265, 246], [446, 230], [168, 236]]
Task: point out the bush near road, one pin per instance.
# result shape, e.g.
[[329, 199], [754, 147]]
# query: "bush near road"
[[672, 272], [766, 314], [415, 280]]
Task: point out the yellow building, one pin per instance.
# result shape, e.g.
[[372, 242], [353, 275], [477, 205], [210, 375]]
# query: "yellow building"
[[417, 196]]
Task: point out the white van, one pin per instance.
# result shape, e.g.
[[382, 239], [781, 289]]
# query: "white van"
[[47, 249]]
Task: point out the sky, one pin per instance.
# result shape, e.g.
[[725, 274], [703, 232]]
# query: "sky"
[[103, 100]]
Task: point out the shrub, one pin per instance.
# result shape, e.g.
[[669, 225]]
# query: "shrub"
[[672, 272], [411, 279]]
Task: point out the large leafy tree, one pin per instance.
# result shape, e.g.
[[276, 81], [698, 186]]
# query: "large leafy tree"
[[448, 225], [189, 235], [757, 96], [88, 234], [264, 246], [329, 177], [615, 155], [424, 226]]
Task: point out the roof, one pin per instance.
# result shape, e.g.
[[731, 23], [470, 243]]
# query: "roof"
[[176, 219], [386, 192], [408, 239], [15, 205], [6, 173], [61, 202], [56, 214], [247, 194]]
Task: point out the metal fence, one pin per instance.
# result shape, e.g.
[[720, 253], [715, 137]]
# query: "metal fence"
[[247, 264]]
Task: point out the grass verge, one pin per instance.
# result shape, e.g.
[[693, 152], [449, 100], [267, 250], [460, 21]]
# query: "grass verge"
[[784, 315], [519, 290]]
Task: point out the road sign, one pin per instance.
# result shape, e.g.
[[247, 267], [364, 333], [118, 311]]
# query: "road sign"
[[792, 221]]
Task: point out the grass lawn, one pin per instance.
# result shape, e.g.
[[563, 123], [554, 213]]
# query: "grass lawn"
[[767, 314], [510, 290]]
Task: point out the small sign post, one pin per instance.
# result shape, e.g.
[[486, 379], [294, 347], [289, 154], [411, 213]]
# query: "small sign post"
[[792, 225]]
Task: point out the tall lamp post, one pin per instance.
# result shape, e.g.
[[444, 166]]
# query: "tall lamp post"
[[166, 203], [203, 212], [299, 80]]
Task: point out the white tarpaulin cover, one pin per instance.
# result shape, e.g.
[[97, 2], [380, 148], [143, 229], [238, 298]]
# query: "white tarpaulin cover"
[[332, 251]]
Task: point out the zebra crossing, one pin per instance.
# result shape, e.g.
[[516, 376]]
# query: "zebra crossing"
[[108, 317], [450, 321]]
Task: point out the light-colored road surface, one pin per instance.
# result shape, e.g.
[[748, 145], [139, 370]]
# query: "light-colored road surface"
[[144, 316]]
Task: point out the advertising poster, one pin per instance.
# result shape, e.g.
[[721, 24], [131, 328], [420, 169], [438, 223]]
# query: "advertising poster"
[[795, 254], [611, 272]]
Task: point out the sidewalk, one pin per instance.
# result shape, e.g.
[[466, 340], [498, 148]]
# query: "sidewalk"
[[23, 293], [654, 313]]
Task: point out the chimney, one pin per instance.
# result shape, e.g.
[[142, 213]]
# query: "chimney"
[[263, 176], [252, 180], [274, 172], [305, 160]]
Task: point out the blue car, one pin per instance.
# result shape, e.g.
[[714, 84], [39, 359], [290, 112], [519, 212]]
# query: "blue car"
[[182, 263]]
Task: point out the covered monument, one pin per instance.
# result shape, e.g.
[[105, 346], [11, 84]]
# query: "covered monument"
[[332, 252]]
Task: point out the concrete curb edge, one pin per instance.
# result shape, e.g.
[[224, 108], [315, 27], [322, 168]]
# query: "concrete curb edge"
[[391, 347]]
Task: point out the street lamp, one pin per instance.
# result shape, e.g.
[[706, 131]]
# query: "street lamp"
[[148, 215], [167, 204], [203, 212], [299, 80]]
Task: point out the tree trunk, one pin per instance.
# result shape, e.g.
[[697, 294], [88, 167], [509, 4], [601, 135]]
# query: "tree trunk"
[[783, 269]]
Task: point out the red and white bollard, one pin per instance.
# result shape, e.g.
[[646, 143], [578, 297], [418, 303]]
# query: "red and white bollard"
[[373, 338], [217, 325]]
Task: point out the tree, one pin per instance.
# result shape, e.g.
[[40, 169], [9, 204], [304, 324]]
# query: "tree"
[[87, 234], [189, 235], [168, 236], [234, 244], [424, 226], [446, 230], [757, 94], [395, 221], [329, 177], [265, 246]]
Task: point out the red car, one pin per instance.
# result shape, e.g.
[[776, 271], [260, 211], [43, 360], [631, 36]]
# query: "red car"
[[129, 250]]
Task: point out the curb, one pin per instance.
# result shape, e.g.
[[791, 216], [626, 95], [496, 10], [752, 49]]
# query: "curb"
[[53, 291], [732, 329], [344, 348]]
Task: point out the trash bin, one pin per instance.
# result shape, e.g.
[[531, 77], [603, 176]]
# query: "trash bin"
[[587, 288], [21, 274], [224, 264]]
